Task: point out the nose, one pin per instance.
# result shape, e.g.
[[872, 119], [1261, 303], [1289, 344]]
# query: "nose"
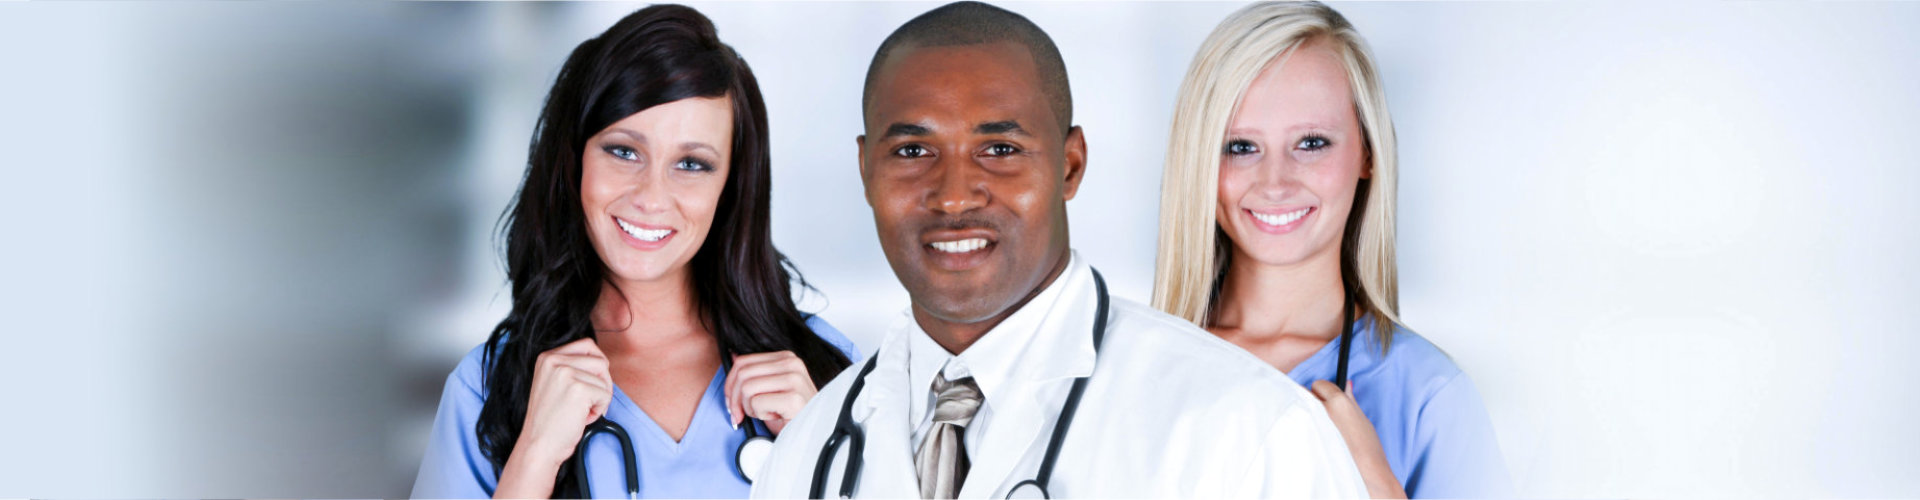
[[959, 186], [1276, 177], [650, 194]]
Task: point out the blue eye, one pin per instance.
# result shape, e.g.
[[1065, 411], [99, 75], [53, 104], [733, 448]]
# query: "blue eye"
[[623, 152], [911, 151], [1313, 143], [1241, 147], [693, 165]]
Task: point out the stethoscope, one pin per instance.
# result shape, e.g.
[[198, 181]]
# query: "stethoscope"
[[1346, 345], [844, 430], [753, 453]]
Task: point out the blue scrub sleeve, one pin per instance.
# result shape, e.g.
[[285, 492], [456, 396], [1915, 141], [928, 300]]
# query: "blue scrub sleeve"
[[1458, 454], [833, 336], [454, 466]]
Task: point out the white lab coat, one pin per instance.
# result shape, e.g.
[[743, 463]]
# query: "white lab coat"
[[1171, 411]]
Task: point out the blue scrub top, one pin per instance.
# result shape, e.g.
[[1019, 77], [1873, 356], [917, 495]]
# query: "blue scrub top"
[[1431, 421], [699, 466]]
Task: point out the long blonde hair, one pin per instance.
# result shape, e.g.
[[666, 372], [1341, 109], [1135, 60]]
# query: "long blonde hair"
[[1193, 252]]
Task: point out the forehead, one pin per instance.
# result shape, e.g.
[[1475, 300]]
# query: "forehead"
[[968, 83], [693, 115], [1311, 86]]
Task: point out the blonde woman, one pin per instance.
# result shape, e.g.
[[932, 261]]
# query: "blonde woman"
[[1276, 234]]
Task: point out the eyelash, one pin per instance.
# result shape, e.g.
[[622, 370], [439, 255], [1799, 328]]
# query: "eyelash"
[[1322, 140], [901, 151], [1319, 142], [991, 150], [693, 165], [690, 164], [623, 152]]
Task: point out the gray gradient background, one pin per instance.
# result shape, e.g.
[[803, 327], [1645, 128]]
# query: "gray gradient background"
[[1672, 243]]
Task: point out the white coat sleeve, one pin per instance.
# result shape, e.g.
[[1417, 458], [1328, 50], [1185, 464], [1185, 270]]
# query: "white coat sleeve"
[[1303, 456]]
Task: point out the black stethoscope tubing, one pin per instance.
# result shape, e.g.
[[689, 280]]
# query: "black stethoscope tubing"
[[754, 439], [1346, 344], [845, 430]]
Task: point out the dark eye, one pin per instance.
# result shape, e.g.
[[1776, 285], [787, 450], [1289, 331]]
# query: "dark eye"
[[623, 152], [694, 165], [1312, 143], [1241, 147], [1001, 150], [911, 151]]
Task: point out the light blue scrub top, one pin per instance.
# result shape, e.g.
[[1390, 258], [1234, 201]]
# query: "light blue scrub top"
[[699, 466], [1431, 421]]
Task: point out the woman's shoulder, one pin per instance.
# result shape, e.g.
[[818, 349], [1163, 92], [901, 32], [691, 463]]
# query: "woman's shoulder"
[[821, 328], [1417, 361], [471, 372]]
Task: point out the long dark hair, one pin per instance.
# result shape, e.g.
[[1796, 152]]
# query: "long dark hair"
[[654, 56]]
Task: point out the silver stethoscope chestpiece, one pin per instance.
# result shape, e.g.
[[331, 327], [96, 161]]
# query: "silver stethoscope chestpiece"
[[752, 455]]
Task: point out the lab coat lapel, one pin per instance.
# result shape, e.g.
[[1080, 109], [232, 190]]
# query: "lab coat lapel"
[[1014, 435], [1059, 350], [881, 410]]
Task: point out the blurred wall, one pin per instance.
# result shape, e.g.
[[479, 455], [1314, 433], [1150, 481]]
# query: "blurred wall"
[[1671, 242]]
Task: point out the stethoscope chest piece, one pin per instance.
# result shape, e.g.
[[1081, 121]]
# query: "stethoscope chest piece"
[[752, 455]]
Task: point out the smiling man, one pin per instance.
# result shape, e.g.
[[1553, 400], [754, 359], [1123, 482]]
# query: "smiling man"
[[1013, 372]]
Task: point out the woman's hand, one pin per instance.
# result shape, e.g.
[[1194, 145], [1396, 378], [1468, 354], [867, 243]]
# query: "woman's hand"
[[770, 386], [1361, 440], [572, 387]]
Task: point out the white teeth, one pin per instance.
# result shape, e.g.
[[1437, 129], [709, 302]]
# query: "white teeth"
[[643, 234], [1282, 219], [961, 246]]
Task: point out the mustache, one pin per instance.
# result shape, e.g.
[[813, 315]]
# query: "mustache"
[[960, 222]]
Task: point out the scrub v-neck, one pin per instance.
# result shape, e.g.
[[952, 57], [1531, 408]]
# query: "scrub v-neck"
[[707, 398]]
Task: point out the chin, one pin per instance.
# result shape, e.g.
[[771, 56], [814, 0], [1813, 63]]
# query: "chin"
[[640, 272], [958, 306]]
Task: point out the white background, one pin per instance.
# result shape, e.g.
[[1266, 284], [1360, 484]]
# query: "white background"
[[1671, 242]]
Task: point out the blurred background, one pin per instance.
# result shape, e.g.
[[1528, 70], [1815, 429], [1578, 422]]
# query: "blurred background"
[[1673, 243]]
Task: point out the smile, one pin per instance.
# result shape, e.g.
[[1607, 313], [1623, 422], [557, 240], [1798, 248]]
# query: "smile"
[[1283, 218], [642, 234], [959, 246], [1280, 222]]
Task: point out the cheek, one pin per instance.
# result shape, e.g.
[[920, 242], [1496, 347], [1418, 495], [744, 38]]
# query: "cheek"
[[892, 203], [1233, 184], [700, 201], [596, 187], [1339, 183]]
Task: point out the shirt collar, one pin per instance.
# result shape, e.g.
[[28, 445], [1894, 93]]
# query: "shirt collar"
[[1048, 338]]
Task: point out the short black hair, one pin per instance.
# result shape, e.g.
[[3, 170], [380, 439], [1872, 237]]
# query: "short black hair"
[[972, 23]]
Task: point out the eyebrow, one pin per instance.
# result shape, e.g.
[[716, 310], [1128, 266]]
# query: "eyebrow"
[[685, 147], [906, 129], [642, 139], [691, 146], [1008, 127]]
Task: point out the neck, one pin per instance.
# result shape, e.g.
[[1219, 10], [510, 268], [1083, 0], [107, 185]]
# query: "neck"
[[636, 315], [1305, 299], [957, 336]]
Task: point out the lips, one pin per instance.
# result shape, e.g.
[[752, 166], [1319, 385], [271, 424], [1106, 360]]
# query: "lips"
[[961, 249], [645, 236], [959, 246]]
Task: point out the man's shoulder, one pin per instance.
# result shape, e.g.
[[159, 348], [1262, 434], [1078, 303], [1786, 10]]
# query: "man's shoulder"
[[1175, 358]]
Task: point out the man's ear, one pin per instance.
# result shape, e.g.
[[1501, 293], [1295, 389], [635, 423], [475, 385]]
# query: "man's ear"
[[860, 150], [1076, 162]]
